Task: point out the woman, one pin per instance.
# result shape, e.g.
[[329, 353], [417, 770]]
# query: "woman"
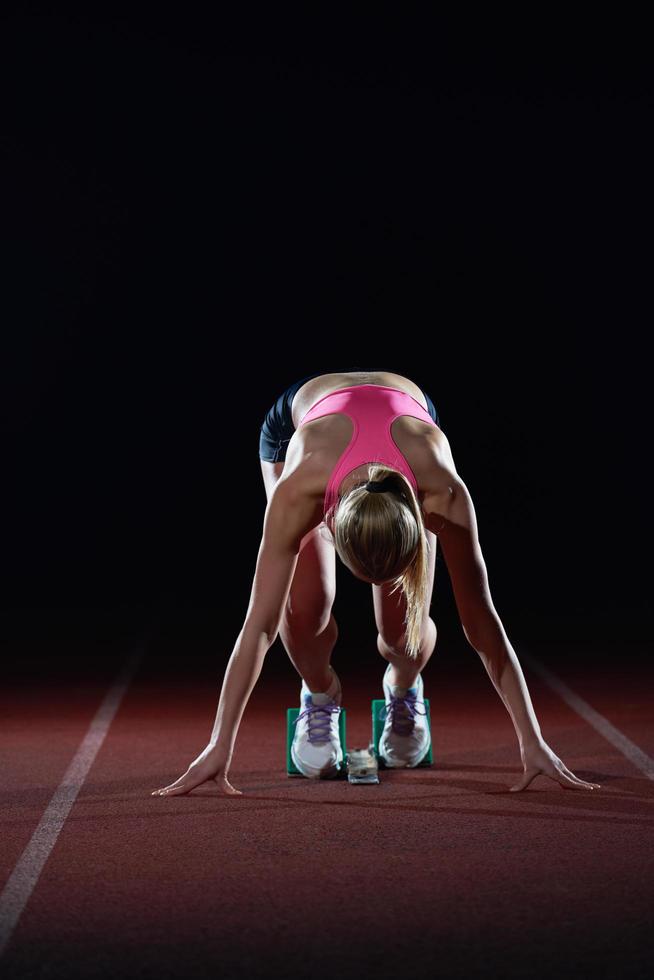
[[356, 463]]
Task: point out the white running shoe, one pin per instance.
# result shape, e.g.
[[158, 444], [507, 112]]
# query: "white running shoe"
[[406, 738], [316, 748]]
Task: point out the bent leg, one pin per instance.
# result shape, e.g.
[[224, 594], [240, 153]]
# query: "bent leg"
[[308, 629], [390, 611]]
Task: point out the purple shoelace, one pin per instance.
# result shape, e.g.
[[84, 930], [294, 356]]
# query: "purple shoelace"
[[403, 712], [318, 720]]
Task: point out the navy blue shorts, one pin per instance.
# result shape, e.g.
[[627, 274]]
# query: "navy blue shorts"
[[277, 428]]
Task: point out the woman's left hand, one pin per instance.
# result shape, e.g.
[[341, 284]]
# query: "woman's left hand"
[[539, 758]]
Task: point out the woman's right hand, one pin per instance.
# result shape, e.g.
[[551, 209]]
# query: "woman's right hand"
[[208, 766]]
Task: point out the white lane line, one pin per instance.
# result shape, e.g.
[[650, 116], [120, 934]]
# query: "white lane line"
[[25, 875], [601, 724]]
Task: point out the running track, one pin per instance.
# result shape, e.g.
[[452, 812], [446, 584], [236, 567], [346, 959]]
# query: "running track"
[[437, 872]]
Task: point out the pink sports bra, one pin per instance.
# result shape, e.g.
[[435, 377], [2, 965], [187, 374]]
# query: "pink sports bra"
[[373, 409]]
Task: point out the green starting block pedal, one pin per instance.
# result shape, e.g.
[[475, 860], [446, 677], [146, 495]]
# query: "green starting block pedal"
[[291, 715], [378, 728]]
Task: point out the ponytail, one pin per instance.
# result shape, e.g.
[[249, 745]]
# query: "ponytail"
[[380, 532]]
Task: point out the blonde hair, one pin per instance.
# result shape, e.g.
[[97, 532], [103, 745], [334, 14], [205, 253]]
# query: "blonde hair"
[[382, 537]]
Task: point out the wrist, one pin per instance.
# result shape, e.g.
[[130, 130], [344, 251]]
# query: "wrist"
[[218, 753], [529, 740]]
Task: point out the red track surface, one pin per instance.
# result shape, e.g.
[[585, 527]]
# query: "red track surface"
[[435, 872]]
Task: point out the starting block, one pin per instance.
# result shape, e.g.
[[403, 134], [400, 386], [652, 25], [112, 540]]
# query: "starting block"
[[360, 765]]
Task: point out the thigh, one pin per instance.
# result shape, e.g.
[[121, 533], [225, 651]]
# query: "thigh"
[[390, 610]]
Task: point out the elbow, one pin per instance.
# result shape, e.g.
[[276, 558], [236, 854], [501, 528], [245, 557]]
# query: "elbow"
[[271, 636], [260, 635], [485, 634], [271, 632], [493, 650], [492, 654]]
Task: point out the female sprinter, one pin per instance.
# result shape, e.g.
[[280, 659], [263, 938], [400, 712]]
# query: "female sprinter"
[[356, 463]]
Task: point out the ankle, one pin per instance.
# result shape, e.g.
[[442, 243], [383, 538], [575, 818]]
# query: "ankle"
[[321, 683], [402, 678]]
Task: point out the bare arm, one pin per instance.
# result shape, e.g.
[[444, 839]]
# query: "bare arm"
[[287, 519], [481, 623], [289, 516], [450, 513]]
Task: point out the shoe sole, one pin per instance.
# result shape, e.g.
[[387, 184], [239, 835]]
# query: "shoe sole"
[[406, 765]]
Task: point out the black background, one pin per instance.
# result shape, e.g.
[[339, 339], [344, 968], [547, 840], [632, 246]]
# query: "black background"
[[199, 211]]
